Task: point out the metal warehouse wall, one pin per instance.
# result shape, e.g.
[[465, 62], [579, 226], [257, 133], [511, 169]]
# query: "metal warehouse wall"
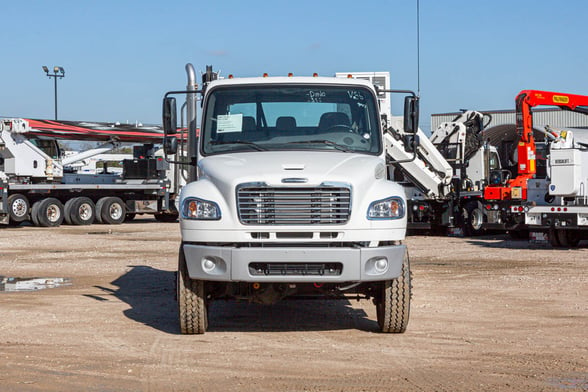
[[541, 117]]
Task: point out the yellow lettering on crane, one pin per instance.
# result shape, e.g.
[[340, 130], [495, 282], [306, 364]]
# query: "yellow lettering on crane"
[[561, 99]]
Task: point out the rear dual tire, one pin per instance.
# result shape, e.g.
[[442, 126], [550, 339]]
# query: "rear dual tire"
[[564, 238], [473, 217], [47, 212], [110, 210], [80, 211]]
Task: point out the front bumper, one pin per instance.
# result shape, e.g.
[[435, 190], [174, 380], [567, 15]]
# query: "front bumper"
[[232, 264]]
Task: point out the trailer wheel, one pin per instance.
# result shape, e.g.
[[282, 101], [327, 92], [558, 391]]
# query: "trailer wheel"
[[112, 211], [49, 212], [473, 219], [393, 305], [192, 310], [82, 211], [18, 208]]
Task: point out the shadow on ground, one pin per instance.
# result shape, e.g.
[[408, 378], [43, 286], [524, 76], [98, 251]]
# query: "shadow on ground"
[[505, 241], [151, 295]]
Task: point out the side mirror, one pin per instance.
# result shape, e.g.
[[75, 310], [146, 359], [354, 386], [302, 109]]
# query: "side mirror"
[[170, 122], [411, 142], [411, 114], [170, 145]]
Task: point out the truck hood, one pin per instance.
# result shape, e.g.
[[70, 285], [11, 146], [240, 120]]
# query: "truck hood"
[[291, 168]]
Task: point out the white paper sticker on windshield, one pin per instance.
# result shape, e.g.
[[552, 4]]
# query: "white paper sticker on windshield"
[[229, 123]]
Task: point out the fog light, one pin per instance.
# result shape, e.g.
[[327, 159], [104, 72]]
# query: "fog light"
[[381, 265], [208, 264]]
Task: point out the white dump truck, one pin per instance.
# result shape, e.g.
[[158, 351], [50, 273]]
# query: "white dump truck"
[[289, 195]]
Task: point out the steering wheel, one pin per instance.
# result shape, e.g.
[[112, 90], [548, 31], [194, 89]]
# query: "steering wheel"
[[336, 126], [350, 139]]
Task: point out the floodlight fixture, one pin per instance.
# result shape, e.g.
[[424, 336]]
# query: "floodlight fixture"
[[58, 72]]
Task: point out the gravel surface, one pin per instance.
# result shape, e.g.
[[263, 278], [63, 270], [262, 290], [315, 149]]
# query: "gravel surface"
[[488, 313]]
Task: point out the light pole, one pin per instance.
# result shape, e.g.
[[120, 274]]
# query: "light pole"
[[58, 72]]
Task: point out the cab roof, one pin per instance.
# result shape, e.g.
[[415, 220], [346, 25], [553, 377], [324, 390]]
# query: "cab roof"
[[281, 80]]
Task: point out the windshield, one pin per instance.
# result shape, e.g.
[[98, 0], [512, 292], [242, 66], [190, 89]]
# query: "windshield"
[[301, 117]]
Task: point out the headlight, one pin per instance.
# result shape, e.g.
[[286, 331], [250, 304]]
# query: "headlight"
[[193, 208], [391, 208]]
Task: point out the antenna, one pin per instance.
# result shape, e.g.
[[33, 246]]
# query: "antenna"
[[418, 49]]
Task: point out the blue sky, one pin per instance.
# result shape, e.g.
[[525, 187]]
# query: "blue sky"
[[120, 57]]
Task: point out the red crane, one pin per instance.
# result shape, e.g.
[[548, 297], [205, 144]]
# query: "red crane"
[[516, 188]]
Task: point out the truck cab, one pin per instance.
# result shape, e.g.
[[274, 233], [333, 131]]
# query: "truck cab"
[[290, 198]]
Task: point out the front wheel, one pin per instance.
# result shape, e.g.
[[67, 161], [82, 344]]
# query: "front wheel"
[[18, 208], [192, 310], [393, 305]]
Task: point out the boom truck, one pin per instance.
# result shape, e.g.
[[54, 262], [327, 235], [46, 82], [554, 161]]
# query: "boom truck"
[[289, 195], [445, 175], [563, 212], [39, 184], [456, 178]]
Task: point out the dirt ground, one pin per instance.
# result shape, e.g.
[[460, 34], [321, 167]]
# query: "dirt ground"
[[488, 314]]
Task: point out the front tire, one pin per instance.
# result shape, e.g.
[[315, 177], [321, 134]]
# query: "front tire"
[[18, 208], [192, 308], [393, 306]]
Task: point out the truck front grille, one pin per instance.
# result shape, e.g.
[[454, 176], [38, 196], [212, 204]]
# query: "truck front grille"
[[324, 205]]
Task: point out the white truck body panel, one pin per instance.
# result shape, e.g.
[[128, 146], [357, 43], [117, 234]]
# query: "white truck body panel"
[[569, 172]]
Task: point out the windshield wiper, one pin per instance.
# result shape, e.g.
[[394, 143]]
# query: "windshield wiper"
[[255, 146], [324, 141]]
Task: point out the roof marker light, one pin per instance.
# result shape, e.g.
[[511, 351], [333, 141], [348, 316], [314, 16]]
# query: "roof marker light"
[[314, 75], [349, 76], [231, 76], [265, 75], [290, 74]]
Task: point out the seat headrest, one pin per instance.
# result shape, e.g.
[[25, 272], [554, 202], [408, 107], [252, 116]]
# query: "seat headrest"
[[285, 123], [331, 119]]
